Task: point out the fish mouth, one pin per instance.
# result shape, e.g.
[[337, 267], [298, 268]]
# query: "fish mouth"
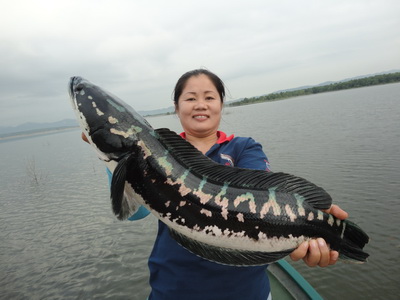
[[73, 82]]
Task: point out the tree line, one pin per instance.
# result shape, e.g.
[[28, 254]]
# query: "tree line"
[[354, 83]]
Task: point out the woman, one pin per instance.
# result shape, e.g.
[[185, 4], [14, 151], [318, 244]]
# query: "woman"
[[176, 273]]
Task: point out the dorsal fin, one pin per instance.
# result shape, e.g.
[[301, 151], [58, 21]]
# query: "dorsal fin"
[[202, 166]]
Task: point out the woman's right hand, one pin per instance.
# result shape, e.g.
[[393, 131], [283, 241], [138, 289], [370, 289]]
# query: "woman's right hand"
[[316, 252]]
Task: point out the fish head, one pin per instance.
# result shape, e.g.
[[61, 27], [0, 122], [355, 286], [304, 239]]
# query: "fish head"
[[111, 126]]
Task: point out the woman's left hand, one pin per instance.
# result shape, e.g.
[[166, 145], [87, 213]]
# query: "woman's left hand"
[[317, 252]]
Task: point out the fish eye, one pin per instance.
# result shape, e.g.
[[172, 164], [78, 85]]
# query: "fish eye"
[[79, 87]]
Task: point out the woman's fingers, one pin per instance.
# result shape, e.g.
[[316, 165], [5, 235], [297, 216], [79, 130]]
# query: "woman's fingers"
[[300, 252]]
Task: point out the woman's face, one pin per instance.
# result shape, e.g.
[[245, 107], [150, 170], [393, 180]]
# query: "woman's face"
[[199, 107]]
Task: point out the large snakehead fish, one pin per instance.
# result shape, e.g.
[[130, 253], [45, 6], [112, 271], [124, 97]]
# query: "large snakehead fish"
[[224, 214]]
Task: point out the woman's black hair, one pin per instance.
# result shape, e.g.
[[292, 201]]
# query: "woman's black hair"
[[180, 85]]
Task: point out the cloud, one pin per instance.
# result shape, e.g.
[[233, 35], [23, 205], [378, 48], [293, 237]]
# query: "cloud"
[[138, 49]]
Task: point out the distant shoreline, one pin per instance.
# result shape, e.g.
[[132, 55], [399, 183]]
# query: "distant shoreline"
[[333, 87], [22, 134]]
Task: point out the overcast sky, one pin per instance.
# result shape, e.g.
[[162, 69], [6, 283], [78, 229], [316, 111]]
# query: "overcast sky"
[[138, 49]]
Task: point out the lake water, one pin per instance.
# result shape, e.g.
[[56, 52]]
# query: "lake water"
[[60, 240]]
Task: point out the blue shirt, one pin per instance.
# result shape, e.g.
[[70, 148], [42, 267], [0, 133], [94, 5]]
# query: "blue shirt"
[[177, 274]]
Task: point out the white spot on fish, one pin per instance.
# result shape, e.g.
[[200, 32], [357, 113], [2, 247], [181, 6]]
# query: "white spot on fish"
[[99, 112], [167, 203], [246, 197], [331, 221], [224, 213], [146, 151], [90, 97], [338, 222], [240, 217], [184, 190], [222, 201], [320, 215], [204, 198], [290, 213], [182, 203], [271, 203], [130, 132], [262, 235], [206, 212], [310, 216], [112, 120]]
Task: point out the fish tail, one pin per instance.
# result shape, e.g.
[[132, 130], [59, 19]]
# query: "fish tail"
[[353, 242]]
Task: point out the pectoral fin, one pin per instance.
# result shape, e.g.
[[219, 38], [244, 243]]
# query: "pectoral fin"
[[122, 196]]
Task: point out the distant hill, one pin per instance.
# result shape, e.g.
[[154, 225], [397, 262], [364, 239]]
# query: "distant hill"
[[360, 81], [35, 127], [32, 127], [332, 82]]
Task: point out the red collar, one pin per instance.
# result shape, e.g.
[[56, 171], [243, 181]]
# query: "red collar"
[[222, 137]]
